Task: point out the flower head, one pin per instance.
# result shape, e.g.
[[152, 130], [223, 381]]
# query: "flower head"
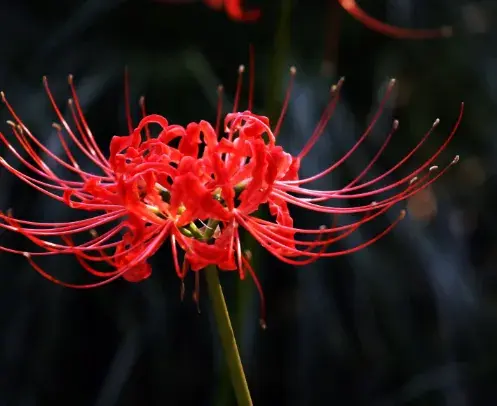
[[196, 188]]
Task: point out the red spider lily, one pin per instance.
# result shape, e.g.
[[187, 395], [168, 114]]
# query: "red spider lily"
[[397, 32], [195, 188]]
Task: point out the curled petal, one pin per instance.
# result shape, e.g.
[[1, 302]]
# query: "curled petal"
[[397, 32]]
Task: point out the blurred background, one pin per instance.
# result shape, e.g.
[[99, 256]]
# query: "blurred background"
[[411, 320]]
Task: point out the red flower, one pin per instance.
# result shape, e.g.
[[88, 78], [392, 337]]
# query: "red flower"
[[397, 32], [197, 189]]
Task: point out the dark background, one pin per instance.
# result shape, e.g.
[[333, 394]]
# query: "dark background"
[[411, 320]]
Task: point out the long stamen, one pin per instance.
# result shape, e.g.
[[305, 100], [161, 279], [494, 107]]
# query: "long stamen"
[[219, 109], [239, 84], [286, 102], [127, 102], [86, 132]]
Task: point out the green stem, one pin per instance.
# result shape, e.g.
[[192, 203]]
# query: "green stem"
[[227, 336]]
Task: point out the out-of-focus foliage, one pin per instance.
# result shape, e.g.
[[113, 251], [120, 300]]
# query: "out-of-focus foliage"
[[411, 320]]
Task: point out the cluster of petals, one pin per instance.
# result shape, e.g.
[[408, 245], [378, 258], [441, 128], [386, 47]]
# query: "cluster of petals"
[[196, 188]]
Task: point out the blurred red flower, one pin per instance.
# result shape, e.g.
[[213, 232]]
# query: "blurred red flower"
[[233, 8], [237, 12]]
